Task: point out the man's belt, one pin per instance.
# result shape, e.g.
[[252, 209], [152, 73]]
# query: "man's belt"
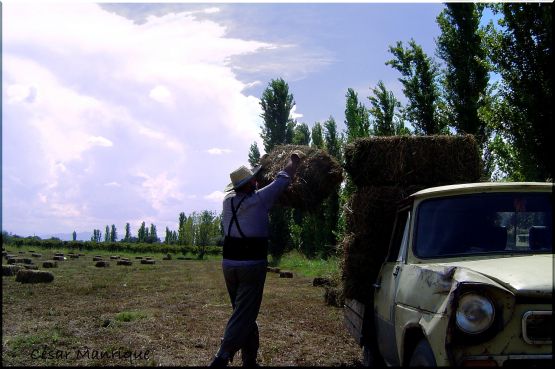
[[247, 248]]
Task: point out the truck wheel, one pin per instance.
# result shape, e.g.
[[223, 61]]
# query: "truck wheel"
[[422, 355]]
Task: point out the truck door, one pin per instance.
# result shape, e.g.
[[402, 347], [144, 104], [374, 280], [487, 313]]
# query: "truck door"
[[386, 287]]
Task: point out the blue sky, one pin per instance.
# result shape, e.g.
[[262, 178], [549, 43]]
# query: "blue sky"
[[137, 112]]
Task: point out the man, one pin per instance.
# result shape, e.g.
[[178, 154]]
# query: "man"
[[245, 220]]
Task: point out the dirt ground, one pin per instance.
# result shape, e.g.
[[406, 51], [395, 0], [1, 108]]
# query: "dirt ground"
[[172, 313]]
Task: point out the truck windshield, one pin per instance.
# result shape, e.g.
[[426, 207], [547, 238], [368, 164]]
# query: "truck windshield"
[[483, 224]]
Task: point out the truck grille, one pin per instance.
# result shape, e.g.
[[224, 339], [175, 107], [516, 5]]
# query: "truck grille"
[[537, 327]]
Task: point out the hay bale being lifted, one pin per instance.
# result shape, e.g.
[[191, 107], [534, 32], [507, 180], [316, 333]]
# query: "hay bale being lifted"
[[318, 175], [409, 160], [34, 276]]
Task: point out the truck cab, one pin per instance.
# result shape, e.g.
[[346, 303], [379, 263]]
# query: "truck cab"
[[468, 280]]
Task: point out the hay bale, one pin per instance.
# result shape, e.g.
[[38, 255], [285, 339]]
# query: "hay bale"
[[102, 264], [49, 264], [9, 256], [10, 270], [30, 266], [27, 261], [81, 254], [114, 257], [125, 262], [34, 276], [138, 257], [74, 256], [97, 258], [167, 257], [334, 296], [12, 261], [286, 274], [407, 160], [36, 255], [125, 259], [318, 175], [321, 282], [59, 254], [58, 258], [148, 261], [21, 252], [4, 253]]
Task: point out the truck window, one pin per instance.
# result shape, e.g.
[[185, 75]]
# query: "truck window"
[[397, 239], [484, 223]]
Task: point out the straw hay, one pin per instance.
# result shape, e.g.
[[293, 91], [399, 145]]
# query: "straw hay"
[[318, 175], [97, 258], [49, 264], [114, 257], [334, 296], [321, 281], [10, 270], [409, 160], [125, 262], [148, 261], [286, 274], [102, 264], [59, 254], [34, 276]]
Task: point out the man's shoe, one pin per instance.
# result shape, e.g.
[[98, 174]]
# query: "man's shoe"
[[218, 362], [250, 364]]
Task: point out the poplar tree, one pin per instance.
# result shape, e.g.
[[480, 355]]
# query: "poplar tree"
[[254, 155], [421, 87], [385, 108], [356, 117], [113, 234]]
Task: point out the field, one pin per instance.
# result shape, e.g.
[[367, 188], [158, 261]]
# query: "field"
[[172, 313]]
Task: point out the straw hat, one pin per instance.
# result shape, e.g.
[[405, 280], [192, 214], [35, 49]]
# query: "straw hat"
[[241, 176]]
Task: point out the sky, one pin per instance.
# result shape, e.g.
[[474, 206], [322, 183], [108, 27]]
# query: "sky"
[[124, 113]]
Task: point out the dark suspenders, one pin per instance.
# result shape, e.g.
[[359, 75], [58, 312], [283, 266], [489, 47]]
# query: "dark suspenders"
[[234, 218]]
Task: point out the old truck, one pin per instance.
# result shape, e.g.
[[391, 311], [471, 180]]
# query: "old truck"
[[468, 280]]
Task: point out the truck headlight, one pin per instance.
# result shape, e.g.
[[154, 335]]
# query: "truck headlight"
[[475, 313]]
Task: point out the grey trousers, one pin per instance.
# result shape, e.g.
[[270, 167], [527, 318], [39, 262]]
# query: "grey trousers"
[[245, 286]]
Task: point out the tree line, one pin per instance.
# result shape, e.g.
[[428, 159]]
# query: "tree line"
[[510, 115]]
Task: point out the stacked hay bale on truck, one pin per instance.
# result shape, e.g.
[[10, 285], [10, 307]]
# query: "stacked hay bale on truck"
[[385, 170]]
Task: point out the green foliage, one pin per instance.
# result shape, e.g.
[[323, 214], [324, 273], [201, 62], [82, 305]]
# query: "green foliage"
[[357, 120], [317, 137], [129, 316], [521, 52], [113, 234], [301, 134], [466, 75], [420, 85], [254, 155], [276, 103], [388, 120]]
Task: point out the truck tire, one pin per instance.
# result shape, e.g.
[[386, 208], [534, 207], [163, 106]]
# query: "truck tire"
[[422, 355]]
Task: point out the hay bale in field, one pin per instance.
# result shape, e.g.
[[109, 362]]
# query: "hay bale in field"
[[36, 255], [14, 260], [102, 264], [10, 270], [114, 257], [30, 266], [81, 254], [148, 261], [59, 254], [125, 262], [97, 258], [74, 256], [334, 296], [4, 253], [58, 258], [167, 257], [27, 261], [286, 274], [125, 259], [33, 276], [321, 282], [138, 257], [49, 264], [318, 175], [9, 256], [21, 252], [408, 160]]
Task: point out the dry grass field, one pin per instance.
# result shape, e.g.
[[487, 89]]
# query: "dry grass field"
[[172, 313]]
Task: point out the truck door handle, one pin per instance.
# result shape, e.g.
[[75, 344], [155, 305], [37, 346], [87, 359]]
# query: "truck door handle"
[[376, 286], [396, 270]]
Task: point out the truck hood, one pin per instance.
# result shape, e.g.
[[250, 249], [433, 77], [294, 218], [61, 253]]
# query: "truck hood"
[[530, 275]]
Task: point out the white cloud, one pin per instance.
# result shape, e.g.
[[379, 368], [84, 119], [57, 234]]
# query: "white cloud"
[[216, 196], [162, 95], [101, 114], [218, 151]]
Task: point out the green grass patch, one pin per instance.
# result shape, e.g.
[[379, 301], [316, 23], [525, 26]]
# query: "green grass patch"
[[296, 261], [129, 316]]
